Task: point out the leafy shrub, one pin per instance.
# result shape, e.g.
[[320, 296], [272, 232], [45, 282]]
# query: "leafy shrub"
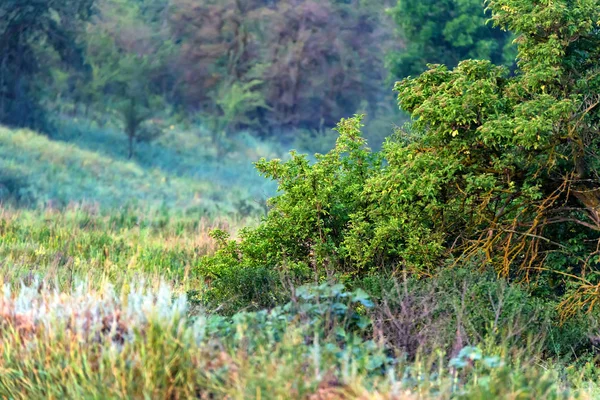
[[234, 101], [496, 170], [491, 174], [303, 234]]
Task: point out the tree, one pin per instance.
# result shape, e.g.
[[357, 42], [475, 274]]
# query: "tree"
[[326, 60], [445, 32], [317, 61], [217, 45], [127, 59], [29, 30], [502, 169], [234, 103]]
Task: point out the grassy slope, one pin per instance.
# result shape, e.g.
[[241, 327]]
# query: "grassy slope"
[[179, 171], [64, 246]]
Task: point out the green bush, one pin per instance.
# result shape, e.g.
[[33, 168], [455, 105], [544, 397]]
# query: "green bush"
[[302, 236], [496, 170]]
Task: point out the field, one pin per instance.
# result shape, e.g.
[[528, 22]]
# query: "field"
[[300, 199]]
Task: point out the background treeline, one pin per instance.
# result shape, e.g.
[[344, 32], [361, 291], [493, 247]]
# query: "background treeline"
[[271, 66]]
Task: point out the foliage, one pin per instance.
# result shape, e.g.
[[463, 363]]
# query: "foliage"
[[445, 32], [304, 231], [234, 102], [231, 286], [34, 36], [313, 67], [495, 170], [124, 56], [502, 169], [460, 261], [163, 349]]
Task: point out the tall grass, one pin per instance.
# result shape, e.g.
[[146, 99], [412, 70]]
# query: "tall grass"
[[97, 305], [139, 343], [104, 247]]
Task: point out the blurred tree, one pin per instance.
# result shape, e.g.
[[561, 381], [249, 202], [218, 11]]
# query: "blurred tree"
[[317, 61], [217, 45], [234, 100], [127, 60], [326, 58], [446, 32], [30, 32]]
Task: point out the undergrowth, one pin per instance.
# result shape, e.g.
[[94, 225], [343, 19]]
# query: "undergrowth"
[[110, 305], [140, 343]]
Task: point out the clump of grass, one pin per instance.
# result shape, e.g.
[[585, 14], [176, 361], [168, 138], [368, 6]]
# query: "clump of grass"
[[110, 305]]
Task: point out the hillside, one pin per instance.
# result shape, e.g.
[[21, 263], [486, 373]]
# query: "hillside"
[[180, 171]]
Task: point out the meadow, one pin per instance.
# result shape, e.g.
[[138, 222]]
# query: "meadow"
[[83, 163]]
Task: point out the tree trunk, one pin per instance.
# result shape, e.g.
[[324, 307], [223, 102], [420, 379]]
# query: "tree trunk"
[[130, 156]]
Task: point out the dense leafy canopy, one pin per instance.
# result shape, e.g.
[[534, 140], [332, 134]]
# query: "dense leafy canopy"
[[269, 66], [33, 35], [312, 62], [445, 32]]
